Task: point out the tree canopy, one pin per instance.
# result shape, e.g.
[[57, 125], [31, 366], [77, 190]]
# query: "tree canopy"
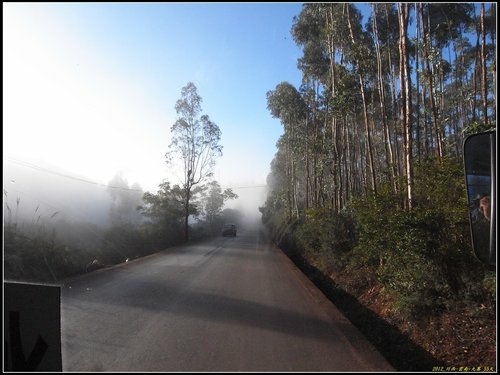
[[196, 141]]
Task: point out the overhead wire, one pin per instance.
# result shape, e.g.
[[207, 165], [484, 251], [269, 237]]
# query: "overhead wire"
[[43, 169]]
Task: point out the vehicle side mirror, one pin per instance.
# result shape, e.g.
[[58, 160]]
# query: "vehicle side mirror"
[[480, 177]]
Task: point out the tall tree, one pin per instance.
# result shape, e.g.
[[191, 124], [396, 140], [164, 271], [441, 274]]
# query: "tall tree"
[[286, 104], [165, 211], [213, 202], [124, 201], [484, 82], [429, 55], [406, 107], [360, 52], [382, 99], [196, 141]]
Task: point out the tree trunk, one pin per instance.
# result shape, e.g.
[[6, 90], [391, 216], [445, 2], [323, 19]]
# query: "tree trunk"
[[429, 73], [383, 113], [484, 83], [417, 84], [186, 214], [365, 115], [406, 110]]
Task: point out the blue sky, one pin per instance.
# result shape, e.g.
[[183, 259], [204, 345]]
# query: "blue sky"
[[91, 87]]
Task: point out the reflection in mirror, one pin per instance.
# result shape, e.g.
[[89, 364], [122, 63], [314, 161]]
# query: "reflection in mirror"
[[479, 158]]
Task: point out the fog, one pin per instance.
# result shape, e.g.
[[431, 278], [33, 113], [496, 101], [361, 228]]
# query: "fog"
[[56, 192], [90, 97], [48, 196], [250, 198]]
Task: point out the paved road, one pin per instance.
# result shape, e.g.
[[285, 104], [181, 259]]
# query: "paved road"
[[230, 304]]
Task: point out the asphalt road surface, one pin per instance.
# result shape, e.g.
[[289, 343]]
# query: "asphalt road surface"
[[229, 304]]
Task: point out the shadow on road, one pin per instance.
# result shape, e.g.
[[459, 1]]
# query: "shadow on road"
[[177, 299], [402, 353]]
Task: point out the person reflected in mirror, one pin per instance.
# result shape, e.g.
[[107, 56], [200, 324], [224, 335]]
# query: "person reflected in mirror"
[[484, 207], [480, 217], [480, 208]]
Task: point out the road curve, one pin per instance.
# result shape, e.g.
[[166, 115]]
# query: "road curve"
[[229, 304]]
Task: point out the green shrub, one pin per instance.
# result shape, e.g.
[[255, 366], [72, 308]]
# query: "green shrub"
[[410, 267], [125, 241], [326, 238], [489, 285], [422, 257], [39, 257]]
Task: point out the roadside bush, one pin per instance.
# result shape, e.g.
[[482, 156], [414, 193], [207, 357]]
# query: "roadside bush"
[[373, 221], [490, 286], [410, 268], [39, 257], [422, 257], [162, 234], [440, 190], [124, 241], [325, 238]]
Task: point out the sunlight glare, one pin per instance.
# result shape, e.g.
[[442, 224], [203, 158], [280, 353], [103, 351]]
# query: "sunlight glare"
[[65, 104]]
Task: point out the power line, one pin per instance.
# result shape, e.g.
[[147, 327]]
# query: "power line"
[[80, 179], [245, 187], [42, 169], [60, 208]]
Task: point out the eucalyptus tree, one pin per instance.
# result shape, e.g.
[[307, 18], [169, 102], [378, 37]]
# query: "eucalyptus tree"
[[165, 213], [383, 41], [360, 55], [475, 62], [490, 26], [196, 142], [389, 31], [406, 106], [277, 210], [322, 30], [286, 104], [213, 202], [484, 82], [308, 31], [441, 24], [124, 200]]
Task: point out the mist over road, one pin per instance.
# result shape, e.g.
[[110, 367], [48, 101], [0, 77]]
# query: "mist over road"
[[229, 304]]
